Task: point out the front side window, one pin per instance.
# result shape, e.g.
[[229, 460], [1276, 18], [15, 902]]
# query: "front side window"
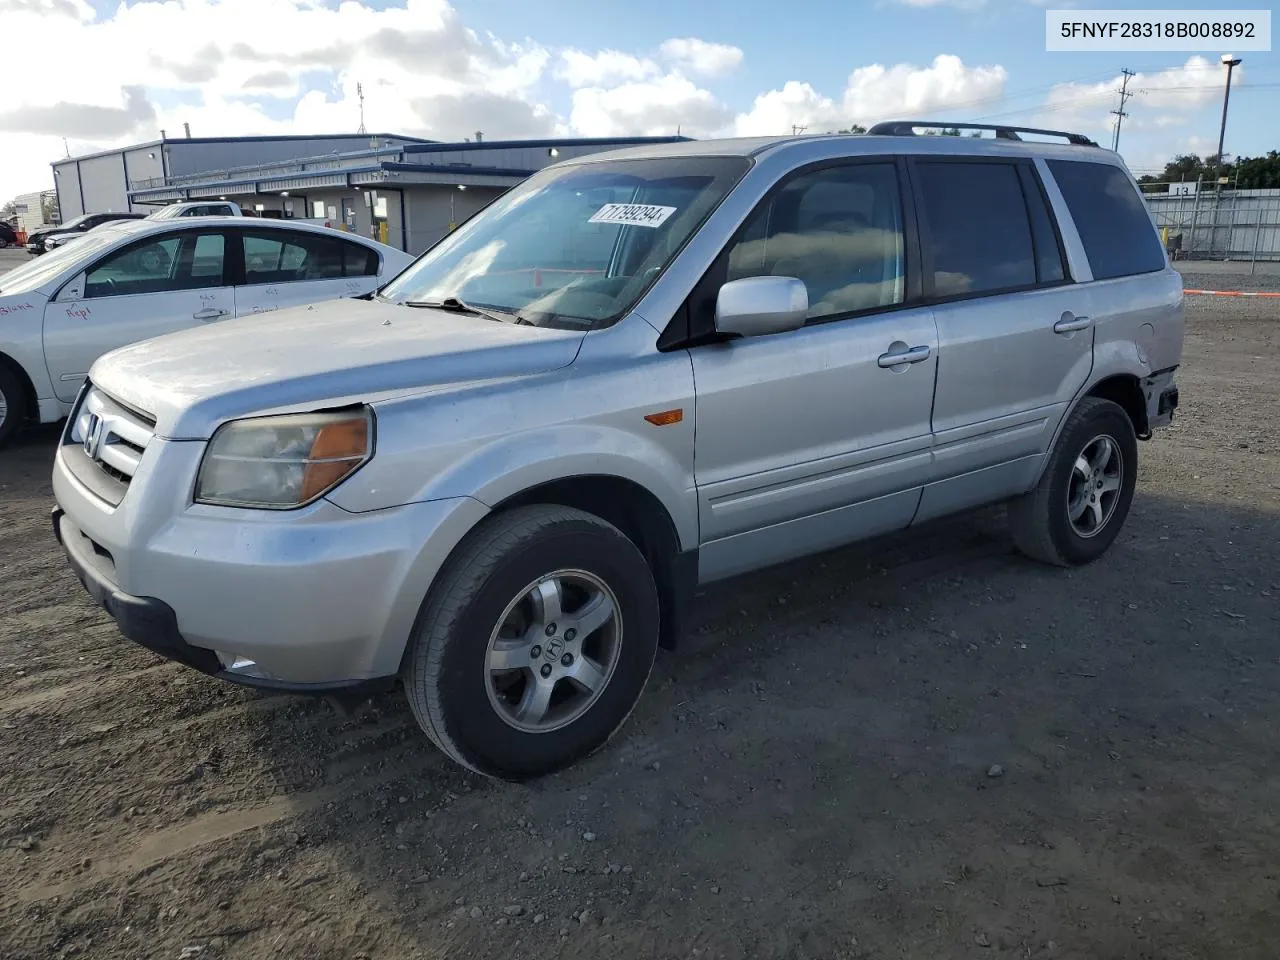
[[839, 230], [977, 233], [1111, 218], [575, 246], [188, 261]]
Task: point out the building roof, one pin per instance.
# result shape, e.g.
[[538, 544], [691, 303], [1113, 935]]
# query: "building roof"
[[393, 164], [288, 138]]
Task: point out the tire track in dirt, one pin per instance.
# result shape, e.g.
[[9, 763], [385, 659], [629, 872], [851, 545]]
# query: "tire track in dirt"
[[81, 693], [350, 777]]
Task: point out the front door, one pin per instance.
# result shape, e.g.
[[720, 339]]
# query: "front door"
[[819, 436], [1014, 331], [151, 287]]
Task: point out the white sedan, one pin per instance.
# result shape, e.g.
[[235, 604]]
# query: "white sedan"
[[137, 279]]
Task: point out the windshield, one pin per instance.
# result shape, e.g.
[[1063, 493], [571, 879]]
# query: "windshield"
[[572, 247], [72, 223], [42, 269]]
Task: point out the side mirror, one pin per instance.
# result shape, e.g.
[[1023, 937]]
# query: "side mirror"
[[756, 306]]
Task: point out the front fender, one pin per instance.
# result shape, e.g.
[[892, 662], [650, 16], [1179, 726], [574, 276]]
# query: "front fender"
[[508, 465]]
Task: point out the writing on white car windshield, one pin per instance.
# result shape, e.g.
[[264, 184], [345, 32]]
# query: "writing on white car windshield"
[[573, 246]]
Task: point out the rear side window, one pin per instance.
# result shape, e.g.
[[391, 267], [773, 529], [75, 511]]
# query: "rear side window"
[[1110, 217], [281, 256], [1049, 265], [977, 236]]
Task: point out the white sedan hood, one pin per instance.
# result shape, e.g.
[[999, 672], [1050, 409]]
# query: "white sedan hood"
[[322, 355]]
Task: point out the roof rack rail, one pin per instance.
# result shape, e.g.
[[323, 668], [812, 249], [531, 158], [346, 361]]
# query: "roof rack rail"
[[907, 128]]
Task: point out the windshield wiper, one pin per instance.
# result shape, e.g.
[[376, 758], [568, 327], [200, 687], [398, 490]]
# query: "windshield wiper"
[[457, 305]]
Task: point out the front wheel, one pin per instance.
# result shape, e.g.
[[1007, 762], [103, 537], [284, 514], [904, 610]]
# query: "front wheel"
[[535, 643], [1076, 511], [13, 405]]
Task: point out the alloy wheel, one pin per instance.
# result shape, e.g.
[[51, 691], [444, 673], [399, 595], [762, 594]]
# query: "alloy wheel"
[[1094, 489], [553, 651]]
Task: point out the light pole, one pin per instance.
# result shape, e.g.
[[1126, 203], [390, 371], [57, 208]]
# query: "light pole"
[[1231, 63]]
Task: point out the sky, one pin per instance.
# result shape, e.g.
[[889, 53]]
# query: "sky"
[[114, 73]]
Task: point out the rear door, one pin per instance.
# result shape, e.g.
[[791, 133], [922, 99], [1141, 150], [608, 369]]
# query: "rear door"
[[284, 268], [153, 286], [1014, 331]]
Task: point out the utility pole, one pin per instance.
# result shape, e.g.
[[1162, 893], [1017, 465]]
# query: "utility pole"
[[360, 94], [1231, 63], [1119, 112], [797, 129]]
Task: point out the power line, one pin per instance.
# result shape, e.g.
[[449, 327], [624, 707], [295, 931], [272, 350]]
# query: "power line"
[[1119, 111]]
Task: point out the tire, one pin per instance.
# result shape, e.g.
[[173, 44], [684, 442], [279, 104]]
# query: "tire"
[[487, 718], [13, 405], [1042, 520]]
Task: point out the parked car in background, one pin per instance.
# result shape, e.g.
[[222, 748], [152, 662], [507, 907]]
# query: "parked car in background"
[[37, 242], [498, 482], [202, 208], [8, 235], [126, 282]]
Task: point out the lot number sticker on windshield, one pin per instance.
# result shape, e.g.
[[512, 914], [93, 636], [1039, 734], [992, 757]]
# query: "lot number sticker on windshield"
[[637, 214]]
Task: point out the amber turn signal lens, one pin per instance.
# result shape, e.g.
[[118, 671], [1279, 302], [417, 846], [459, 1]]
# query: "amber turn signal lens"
[[666, 417], [338, 449]]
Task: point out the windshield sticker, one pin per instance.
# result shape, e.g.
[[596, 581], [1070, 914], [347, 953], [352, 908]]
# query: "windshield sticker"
[[636, 214]]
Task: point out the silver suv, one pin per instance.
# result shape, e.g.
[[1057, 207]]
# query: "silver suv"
[[498, 480]]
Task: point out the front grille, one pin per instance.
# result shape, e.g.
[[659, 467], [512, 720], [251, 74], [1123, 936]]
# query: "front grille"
[[104, 443]]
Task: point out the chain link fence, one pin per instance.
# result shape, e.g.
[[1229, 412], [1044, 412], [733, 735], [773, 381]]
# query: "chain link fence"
[[1198, 221]]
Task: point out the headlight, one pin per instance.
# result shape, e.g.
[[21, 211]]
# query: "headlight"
[[278, 463]]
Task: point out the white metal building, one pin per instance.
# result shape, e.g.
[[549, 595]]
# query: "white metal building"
[[402, 190], [29, 211]]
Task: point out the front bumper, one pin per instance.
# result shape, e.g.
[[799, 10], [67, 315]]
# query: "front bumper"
[[152, 623], [314, 600]]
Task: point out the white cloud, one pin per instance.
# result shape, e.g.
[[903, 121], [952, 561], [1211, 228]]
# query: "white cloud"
[[656, 107], [602, 69], [1161, 99], [875, 93], [424, 72], [699, 56]]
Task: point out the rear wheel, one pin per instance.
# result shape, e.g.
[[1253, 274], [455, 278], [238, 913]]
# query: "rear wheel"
[[1076, 511], [13, 405], [535, 642]]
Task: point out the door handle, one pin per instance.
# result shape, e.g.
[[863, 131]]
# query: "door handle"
[[1070, 323], [913, 355], [208, 313]]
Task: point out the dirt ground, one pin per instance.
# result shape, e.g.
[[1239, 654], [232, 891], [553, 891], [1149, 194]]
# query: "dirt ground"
[[922, 747]]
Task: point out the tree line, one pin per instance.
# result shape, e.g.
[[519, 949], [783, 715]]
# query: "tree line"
[[1246, 173]]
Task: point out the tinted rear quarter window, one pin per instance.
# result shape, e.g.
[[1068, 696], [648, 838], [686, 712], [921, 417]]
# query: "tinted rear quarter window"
[[978, 235], [1110, 217], [358, 261]]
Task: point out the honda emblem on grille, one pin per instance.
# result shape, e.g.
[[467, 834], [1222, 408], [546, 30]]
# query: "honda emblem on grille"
[[93, 436]]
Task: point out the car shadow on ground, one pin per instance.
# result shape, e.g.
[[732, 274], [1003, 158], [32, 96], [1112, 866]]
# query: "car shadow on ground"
[[923, 745]]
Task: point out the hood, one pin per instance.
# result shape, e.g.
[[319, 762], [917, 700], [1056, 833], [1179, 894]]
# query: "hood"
[[325, 354]]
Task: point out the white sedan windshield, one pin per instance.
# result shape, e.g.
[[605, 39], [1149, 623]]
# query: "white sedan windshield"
[[573, 246], [42, 269]]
